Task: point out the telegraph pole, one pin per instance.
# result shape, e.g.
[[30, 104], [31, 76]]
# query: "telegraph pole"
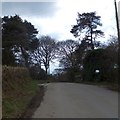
[[117, 21], [118, 33]]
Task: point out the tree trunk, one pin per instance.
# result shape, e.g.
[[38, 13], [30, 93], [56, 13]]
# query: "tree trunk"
[[46, 69], [92, 45], [25, 56]]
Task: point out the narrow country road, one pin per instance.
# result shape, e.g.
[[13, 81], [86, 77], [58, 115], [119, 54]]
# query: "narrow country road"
[[72, 100]]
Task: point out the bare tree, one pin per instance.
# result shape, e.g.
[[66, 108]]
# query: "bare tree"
[[45, 52], [66, 52]]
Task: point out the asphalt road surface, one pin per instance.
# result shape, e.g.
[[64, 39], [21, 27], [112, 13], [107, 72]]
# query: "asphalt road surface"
[[72, 100]]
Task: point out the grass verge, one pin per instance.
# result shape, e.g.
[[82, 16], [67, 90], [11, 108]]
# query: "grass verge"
[[34, 103], [14, 105]]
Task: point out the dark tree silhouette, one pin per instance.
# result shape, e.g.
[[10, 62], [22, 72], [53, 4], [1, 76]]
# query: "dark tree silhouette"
[[86, 28], [102, 60], [18, 36], [65, 51]]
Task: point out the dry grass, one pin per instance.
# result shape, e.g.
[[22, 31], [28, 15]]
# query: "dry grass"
[[17, 90]]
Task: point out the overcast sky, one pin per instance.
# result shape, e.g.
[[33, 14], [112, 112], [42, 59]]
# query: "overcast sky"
[[56, 17]]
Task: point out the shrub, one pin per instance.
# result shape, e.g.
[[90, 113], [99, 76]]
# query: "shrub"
[[37, 73], [14, 78]]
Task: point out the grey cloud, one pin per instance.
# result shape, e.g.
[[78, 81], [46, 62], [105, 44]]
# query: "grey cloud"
[[41, 9]]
